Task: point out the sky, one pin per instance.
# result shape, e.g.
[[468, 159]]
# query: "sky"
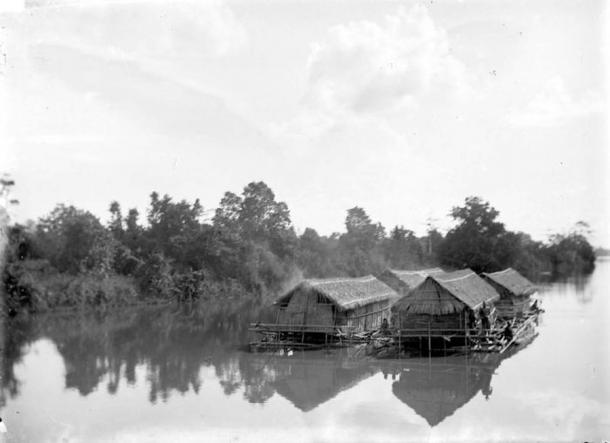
[[403, 108]]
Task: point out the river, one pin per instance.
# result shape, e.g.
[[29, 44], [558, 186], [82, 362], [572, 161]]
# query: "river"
[[182, 375]]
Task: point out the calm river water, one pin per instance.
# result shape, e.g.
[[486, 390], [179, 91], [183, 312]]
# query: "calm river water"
[[162, 374]]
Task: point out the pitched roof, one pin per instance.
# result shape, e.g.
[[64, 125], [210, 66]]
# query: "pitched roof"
[[411, 278], [467, 286], [462, 287], [347, 293], [512, 281]]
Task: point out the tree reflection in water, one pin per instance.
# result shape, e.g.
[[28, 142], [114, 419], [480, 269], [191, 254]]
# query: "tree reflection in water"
[[15, 334], [171, 346]]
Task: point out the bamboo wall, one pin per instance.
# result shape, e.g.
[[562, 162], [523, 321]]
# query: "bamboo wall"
[[435, 322], [368, 317], [511, 307], [311, 309], [307, 308]]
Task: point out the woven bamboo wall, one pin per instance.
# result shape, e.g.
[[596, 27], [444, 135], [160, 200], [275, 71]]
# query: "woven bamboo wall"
[[510, 307], [368, 317], [307, 308], [436, 322]]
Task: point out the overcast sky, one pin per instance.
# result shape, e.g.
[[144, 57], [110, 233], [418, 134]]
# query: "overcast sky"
[[403, 108]]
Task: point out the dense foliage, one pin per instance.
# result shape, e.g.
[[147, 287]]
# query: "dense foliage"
[[249, 246]]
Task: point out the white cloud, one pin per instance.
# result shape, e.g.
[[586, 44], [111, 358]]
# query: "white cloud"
[[366, 66], [553, 105], [137, 28], [363, 69], [60, 139], [11, 5]]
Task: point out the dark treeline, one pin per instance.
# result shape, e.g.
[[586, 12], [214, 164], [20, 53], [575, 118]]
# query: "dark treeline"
[[249, 246]]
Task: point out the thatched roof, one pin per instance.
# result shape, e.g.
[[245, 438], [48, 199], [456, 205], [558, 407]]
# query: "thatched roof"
[[407, 279], [513, 282], [446, 293], [346, 293]]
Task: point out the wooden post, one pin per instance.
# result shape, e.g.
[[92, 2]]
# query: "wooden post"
[[429, 341], [399, 335], [466, 329]]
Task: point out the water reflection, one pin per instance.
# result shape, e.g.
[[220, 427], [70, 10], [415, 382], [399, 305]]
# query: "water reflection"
[[103, 351], [173, 345], [308, 379], [69, 375], [436, 388]]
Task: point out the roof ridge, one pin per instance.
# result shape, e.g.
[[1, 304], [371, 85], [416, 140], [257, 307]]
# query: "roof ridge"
[[501, 272], [454, 279], [409, 271], [341, 279]]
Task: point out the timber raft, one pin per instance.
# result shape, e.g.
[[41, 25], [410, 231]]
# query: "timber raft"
[[409, 313]]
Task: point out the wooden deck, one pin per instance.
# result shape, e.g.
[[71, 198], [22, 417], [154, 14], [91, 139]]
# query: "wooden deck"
[[273, 336]]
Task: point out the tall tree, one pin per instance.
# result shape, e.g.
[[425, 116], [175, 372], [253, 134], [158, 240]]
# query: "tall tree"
[[74, 240], [116, 220], [479, 240], [403, 249], [358, 246], [260, 215]]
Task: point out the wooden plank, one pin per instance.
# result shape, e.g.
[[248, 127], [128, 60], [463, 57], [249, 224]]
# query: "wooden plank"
[[518, 332]]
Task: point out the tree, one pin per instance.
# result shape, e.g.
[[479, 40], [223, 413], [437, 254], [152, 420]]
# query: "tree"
[[314, 254], [260, 216], [6, 185], [227, 215], [358, 246], [75, 241], [257, 217], [402, 249], [478, 241], [430, 245], [116, 220], [173, 226], [572, 253]]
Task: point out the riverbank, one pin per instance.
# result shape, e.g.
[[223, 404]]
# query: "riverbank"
[[35, 286]]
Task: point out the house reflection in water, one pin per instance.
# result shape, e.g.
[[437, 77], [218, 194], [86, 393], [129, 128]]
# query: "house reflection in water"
[[165, 351], [436, 388], [308, 379]]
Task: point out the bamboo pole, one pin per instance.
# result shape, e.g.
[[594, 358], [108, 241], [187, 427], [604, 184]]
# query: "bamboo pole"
[[399, 335], [516, 334], [429, 341]]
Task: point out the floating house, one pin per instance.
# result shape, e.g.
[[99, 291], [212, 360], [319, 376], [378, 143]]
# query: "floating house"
[[404, 281], [515, 292], [444, 304], [348, 304]]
